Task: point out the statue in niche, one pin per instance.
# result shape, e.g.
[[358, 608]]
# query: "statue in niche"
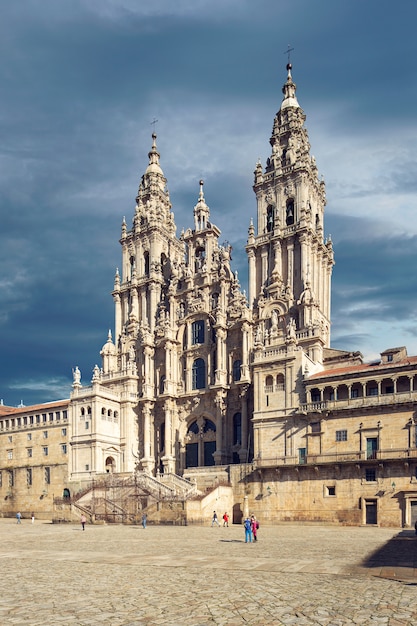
[[274, 319]]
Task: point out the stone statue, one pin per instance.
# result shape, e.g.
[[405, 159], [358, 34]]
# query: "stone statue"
[[76, 375]]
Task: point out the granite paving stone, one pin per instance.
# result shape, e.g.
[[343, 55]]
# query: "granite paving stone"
[[194, 576]]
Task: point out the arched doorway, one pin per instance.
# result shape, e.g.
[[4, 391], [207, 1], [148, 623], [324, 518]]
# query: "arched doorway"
[[200, 443], [110, 465]]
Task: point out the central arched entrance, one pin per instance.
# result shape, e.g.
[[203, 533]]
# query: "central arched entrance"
[[200, 443]]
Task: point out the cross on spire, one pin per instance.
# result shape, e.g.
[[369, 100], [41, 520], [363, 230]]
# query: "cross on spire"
[[288, 51], [154, 123]]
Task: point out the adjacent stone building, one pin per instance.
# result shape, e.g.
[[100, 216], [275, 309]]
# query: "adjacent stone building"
[[201, 382]]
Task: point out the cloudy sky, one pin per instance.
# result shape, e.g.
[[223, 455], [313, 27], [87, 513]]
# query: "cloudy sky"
[[81, 82]]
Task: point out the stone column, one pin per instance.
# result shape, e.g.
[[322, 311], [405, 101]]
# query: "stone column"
[[243, 452], [148, 463], [252, 277], [220, 414]]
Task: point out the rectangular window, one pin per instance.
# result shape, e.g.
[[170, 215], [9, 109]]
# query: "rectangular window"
[[87, 425], [31, 419], [9, 454], [48, 475], [64, 415], [29, 476], [64, 448], [87, 468], [45, 434], [371, 447], [10, 439], [30, 451], [64, 432], [38, 419], [302, 455], [45, 450], [331, 490], [197, 332], [315, 427], [370, 475], [11, 478], [29, 436], [58, 416], [341, 435]]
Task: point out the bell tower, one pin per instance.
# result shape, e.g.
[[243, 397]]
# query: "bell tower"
[[290, 264]]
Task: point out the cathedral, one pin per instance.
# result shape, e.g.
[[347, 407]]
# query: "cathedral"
[[237, 396], [191, 357]]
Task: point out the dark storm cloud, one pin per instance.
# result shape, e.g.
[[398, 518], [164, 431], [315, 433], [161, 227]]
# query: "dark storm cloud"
[[82, 82]]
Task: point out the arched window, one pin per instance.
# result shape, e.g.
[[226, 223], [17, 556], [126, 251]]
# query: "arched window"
[[209, 425], [236, 369], [289, 220], [162, 384], [237, 428], [270, 218], [199, 374], [214, 301], [193, 428], [200, 257], [89, 410], [280, 381], [197, 332], [146, 263]]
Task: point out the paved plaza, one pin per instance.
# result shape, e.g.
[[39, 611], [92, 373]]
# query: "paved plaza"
[[202, 576]]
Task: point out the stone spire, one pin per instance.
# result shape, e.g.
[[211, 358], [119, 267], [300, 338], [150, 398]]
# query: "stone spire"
[[201, 211], [153, 202]]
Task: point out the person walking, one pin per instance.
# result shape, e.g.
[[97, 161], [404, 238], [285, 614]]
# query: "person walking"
[[18, 517], [215, 519], [248, 530], [254, 527], [33, 517], [83, 521], [225, 520], [144, 520]]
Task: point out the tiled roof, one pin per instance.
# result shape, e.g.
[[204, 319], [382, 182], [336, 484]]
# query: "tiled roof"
[[364, 369], [24, 410]]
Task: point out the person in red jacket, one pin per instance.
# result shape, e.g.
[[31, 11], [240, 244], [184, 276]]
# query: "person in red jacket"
[[225, 520], [254, 526]]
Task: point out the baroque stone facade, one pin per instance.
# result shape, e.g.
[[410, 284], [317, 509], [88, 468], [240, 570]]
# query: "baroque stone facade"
[[203, 382]]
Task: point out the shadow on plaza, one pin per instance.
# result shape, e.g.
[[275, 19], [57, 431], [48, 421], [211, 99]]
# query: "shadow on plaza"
[[398, 552]]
